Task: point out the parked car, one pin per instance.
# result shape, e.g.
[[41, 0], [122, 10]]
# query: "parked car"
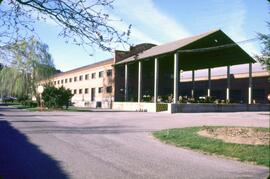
[[7, 99]]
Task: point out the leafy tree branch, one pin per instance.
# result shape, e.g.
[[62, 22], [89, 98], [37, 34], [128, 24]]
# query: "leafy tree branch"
[[84, 22]]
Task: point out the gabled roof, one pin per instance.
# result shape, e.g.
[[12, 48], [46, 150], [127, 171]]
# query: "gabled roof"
[[166, 48], [204, 40], [87, 67]]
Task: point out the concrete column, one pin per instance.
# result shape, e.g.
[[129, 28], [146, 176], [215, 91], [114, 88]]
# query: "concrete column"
[[139, 81], [156, 80], [176, 77], [193, 84], [126, 82], [250, 84], [228, 84], [209, 82]]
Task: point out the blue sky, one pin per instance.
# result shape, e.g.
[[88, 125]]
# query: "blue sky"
[[161, 21]]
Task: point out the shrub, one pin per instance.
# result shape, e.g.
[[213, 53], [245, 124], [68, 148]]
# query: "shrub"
[[22, 98], [56, 97], [206, 99], [29, 103]]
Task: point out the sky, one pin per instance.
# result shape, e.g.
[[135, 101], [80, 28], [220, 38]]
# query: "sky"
[[162, 21]]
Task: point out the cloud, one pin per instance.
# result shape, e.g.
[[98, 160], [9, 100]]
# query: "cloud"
[[150, 21], [136, 34], [233, 19], [149, 24]]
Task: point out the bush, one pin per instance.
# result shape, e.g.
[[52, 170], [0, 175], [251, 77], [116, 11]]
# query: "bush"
[[146, 98], [56, 97], [22, 99], [206, 99], [29, 103]]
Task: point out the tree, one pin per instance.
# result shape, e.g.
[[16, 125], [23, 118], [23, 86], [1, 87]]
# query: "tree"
[[85, 22], [56, 97], [8, 77], [27, 62], [264, 59]]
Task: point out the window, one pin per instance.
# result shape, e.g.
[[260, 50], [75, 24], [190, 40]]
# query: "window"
[[58, 81], [109, 72], [93, 75], [75, 79], [100, 89], [54, 82], [74, 91], [100, 74], [86, 91], [66, 80], [109, 89], [86, 77], [80, 91], [62, 81], [70, 80], [81, 78]]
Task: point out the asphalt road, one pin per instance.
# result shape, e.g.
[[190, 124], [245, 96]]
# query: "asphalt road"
[[113, 145]]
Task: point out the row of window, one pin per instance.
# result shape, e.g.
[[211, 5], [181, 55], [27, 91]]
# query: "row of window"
[[100, 90], [86, 77]]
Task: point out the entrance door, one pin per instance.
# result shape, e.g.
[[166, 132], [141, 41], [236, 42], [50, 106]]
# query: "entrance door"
[[93, 94]]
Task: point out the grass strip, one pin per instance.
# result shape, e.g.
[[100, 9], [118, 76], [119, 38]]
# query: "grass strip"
[[188, 137]]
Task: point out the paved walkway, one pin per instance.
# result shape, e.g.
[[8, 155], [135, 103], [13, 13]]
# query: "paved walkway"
[[113, 145]]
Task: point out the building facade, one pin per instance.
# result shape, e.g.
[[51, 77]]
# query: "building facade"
[[149, 73], [91, 85], [95, 86], [238, 87]]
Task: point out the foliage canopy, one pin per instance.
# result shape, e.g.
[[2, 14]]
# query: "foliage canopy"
[[27, 62]]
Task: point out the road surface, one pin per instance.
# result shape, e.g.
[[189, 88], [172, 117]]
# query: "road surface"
[[113, 145]]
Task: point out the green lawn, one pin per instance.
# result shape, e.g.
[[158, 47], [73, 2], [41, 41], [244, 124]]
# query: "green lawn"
[[188, 137], [31, 109], [20, 106], [77, 109]]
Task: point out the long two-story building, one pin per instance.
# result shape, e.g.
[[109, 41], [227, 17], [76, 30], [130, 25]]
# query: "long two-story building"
[[92, 85], [119, 78]]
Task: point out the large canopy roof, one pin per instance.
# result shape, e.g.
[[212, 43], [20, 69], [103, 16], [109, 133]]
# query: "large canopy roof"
[[207, 50]]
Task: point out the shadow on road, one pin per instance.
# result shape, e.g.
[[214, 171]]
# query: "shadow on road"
[[266, 114], [21, 159], [119, 129], [29, 121], [33, 115]]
